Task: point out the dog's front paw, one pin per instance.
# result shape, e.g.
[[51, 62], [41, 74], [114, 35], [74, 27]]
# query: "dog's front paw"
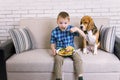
[[95, 50], [84, 50]]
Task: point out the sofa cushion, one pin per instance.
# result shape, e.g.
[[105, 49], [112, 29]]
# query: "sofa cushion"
[[41, 60], [102, 62], [21, 39], [41, 29]]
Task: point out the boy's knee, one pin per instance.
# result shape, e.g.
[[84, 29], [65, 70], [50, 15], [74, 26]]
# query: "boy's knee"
[[58, 58], [76, 56]]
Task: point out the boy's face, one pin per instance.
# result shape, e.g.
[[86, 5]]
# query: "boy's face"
[[63, 23]]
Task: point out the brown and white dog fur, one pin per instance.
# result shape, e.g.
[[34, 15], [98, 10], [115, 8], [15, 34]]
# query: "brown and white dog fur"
[[88, 26]]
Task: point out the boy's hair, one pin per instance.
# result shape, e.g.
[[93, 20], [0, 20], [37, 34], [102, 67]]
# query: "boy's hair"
[[63, 15]]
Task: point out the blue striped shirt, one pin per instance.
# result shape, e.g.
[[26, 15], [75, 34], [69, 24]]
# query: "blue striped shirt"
[[63, 39]]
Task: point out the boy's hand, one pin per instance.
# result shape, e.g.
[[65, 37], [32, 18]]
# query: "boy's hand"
[[53, 49], [74, 29], [54, 52]]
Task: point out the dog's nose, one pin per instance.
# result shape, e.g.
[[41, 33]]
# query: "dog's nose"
[[81, 27]]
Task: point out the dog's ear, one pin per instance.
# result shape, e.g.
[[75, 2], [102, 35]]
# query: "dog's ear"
[[80, 21], [91, 24]]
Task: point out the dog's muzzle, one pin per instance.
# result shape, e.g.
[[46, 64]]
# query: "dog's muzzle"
[[81, 27]]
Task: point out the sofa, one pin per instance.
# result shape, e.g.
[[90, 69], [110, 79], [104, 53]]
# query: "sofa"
[[38, 63]]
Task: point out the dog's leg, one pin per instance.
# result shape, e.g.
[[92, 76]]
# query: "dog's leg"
[[84, 46], [95, 49], [97, 43]]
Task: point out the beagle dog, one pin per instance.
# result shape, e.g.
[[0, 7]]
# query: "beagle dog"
[[88, 26]]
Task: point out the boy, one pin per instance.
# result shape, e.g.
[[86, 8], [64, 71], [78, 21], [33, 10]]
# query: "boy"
[[61, 37]]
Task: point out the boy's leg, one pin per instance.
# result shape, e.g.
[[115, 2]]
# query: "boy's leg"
[[58, 66], [78, 65]]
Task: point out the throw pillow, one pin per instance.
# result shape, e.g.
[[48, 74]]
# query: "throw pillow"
[[107, 38], [21, 39]]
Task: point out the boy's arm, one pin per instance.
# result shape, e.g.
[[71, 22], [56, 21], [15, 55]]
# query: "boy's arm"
[[76, 29], [53, 49]]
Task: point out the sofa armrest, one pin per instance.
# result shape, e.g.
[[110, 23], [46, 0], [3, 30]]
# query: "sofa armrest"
[[117, 47], [6, 50]]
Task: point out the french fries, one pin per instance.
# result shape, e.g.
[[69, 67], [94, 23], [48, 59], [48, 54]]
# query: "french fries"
[[66, 51]]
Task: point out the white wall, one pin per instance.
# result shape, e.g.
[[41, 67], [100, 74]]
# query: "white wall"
[[11, 11]]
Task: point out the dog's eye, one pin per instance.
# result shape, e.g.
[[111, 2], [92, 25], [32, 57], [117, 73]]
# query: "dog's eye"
[[85, 22]]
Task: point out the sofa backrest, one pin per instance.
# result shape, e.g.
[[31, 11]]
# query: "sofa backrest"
[[40, 29]]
